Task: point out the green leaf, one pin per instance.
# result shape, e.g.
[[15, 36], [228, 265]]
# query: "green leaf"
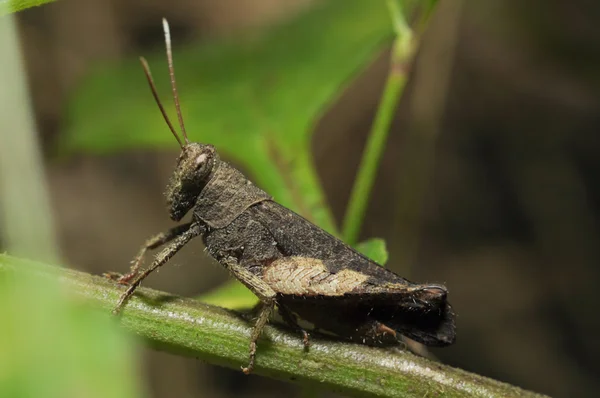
[[232, 295], [255, 98], [374, 249], [11, 6], [55, 345]]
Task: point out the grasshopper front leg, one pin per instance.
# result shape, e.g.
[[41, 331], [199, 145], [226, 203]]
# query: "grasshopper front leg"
[[153, 243], [160, 259], [266, 296]]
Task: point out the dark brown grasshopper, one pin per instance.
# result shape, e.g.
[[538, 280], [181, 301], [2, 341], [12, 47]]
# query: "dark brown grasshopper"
[[285, 260]]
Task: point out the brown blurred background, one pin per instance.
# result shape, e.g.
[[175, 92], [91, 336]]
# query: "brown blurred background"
[[510, 220]]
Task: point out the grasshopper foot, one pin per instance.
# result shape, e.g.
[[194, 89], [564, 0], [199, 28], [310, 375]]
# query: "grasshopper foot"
[[113, 276], [248, 369], [120, 278], [126, 279]]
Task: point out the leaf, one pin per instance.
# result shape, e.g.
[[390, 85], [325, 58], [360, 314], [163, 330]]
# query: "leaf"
[[256, 98], [375, 249], [231, 295], [12, 6], [54, 346]]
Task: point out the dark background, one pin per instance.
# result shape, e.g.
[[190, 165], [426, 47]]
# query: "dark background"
[[510, 220]]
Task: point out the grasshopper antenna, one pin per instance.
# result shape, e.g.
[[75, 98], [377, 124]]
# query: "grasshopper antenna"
[[155, 93], [172, 74]]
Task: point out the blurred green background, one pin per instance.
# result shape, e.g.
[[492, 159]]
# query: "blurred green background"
[[505, 109]]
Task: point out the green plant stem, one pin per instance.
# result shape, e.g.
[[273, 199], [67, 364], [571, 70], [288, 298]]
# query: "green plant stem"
[[26, 223], [417, 159], [402, 54], [187, 327]]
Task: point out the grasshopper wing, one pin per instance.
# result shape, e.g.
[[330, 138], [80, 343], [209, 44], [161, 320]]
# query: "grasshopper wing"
[[326, 282]]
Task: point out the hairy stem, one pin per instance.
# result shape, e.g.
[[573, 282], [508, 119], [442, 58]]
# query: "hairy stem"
[[188, 327]]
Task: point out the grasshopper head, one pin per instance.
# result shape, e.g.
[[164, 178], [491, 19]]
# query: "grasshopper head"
[[194, 167]]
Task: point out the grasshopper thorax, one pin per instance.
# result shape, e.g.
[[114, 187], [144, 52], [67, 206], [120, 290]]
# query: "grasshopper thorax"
[[194, 168]]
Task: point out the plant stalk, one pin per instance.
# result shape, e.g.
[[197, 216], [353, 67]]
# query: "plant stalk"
[[402, 54], [187, 327]]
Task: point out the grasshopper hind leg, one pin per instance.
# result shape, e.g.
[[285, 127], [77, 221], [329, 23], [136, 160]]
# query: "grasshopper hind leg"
[[263, 317], [267, 298]]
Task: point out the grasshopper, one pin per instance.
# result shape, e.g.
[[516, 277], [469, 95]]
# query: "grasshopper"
[[286, 261]]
